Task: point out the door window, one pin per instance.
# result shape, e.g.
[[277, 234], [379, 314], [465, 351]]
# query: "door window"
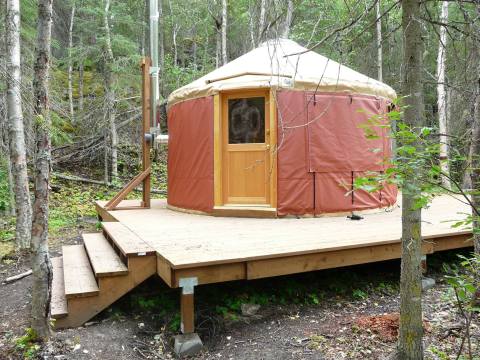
[[246, 120]]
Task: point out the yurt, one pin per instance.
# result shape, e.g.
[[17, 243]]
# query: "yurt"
[[278, 131]]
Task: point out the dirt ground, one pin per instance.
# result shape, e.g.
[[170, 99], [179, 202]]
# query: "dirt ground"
[[346, 313]]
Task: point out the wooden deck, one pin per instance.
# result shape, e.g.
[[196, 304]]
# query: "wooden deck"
[[187, 250], [215, 249]]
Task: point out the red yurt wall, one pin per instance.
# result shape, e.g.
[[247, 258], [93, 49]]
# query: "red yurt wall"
[[322, 148], [190, 165]]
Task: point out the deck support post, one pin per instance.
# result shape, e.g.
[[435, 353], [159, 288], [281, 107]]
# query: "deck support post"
[[187, 313], [188, 343]]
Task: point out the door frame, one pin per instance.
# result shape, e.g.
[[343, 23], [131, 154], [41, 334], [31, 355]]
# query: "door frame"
[[218, 144]]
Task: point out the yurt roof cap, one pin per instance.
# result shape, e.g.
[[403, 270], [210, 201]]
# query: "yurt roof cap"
[[282, 63]]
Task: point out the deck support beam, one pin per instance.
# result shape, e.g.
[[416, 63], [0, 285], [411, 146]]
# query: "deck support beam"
[[187, 313], [188, 343]]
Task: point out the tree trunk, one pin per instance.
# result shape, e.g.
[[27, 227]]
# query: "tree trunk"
[[441, 94], [251, 27], [194, 48], [105, 160], [4, 147], [224, 32], [70, 60], [80, 85], [288, 19], [218, 48], [475, 144], [18, 157], [41, 266], [379, 43], [175, 49], [161, 46], [261, 21], [4, 123], [411, 327], [475, 172], [11, 184], [80, 76], [206, 55], [110, 94]]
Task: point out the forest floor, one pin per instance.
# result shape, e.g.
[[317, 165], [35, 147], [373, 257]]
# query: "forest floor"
[[348, 313]]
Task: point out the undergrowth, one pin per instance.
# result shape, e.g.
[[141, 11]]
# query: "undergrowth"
[[353, 284], [27, 344], [4, 187]]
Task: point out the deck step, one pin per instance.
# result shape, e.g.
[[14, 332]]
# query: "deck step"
[[129, 243], [58, 304], [104, 260], [78, 274]]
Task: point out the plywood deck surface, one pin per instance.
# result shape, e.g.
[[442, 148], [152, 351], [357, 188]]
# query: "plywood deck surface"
[[59, 301], [104, 260], [78, 276], [187, 240], [128, 241]]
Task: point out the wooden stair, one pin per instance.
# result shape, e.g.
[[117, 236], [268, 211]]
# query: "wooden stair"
[[90, 277]]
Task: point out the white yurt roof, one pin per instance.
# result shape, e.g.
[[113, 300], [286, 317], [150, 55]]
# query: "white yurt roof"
[[269, 66]]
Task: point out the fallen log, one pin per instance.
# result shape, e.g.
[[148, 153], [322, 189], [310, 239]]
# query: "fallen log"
[[14, 278], [98, 182]]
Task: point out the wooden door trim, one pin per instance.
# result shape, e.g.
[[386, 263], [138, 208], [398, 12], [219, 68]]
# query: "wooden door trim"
[[217, 151], [273, 148], [247, 147], [218, 101]]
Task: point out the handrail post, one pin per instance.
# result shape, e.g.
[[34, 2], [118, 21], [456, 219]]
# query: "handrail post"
[[146, 138]]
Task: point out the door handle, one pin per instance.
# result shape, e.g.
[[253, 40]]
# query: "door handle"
[[267, 146]]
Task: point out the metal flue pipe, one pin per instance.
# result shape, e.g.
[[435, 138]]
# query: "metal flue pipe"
[[154, 69]]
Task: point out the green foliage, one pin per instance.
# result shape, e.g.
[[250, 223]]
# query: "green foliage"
[[440, 354], [465, 281], [27, 344], [176, 76], [386, 288], [4, 186], [310, 291], [359, 294], [174, 325], [73, 202], [163, 305], [416, 168], [61, 130]]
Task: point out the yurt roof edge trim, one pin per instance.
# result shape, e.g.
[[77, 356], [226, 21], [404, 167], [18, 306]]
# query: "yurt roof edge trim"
[[272, 67]]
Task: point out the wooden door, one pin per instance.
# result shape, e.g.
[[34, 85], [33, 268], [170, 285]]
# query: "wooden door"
[[246, 148]]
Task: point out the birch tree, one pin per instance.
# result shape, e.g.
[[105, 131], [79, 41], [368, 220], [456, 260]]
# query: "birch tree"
[[379, 42], [218, 43], [442, 95], [18, 158], [261, 20], [411, 325], [110, 93], [70, 60], [41, 265], [251, 26], [80, 80], [224, 32], [4, 143], [288, 19], [475, 144]]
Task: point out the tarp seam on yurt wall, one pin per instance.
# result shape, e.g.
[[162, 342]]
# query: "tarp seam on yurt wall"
[[304, 188]]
